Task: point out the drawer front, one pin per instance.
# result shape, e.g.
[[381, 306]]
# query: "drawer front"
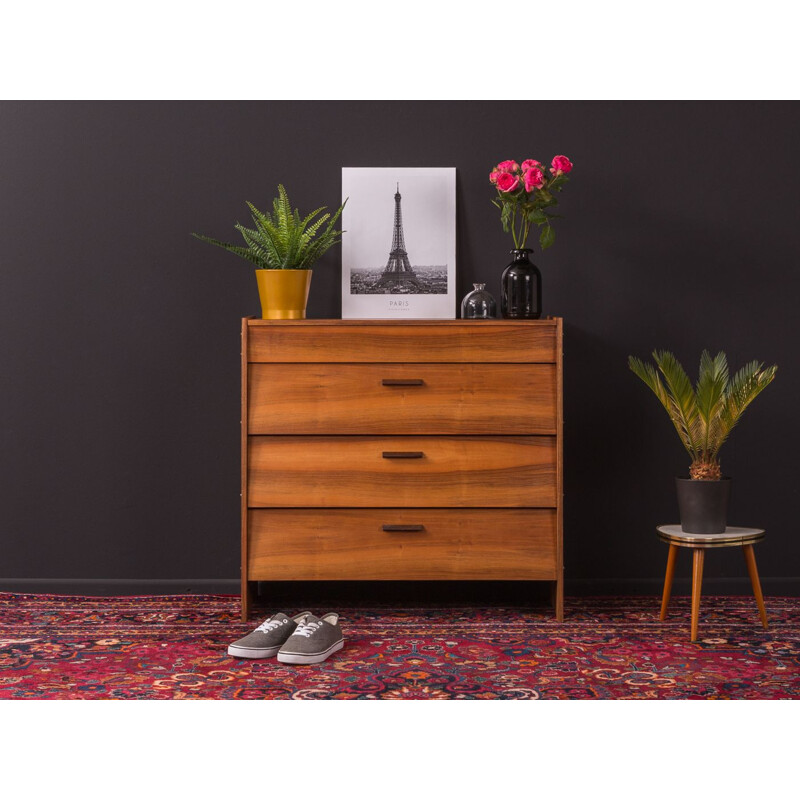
[[402, 399], [451, 341], [408, 471], [421, 544]]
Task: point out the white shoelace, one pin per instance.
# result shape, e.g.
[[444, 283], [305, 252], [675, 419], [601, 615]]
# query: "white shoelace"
[[306, 629], [270, 624]]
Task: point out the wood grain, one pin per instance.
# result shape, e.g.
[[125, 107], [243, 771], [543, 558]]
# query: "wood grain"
[[697, 585], [348, 544], [452, 399], [558, 600], [670, 574], [350, 471], [752, 569], [320, 501], [246, 594], [304, 341]]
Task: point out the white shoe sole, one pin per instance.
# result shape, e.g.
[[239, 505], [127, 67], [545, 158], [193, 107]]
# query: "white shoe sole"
[[303, 658], [252, 652]]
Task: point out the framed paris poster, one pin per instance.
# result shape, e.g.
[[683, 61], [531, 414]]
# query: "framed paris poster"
[[399, 246]]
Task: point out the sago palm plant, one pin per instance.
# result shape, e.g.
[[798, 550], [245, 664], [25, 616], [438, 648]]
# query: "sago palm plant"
[[703, 415], [284, 240]]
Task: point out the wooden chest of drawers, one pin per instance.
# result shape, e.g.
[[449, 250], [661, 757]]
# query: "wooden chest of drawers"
[[413, 450]]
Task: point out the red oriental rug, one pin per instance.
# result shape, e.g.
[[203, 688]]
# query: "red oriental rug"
[[174, 647]]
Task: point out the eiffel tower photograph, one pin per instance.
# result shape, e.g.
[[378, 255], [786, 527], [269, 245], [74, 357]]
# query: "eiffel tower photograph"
[[398, 272], [397, 276], [400, 241]]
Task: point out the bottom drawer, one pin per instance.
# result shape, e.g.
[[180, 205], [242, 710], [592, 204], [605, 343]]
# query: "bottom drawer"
[[402, 544]]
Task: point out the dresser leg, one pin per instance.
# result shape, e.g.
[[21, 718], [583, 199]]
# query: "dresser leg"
[[557, 598], [247, 599]]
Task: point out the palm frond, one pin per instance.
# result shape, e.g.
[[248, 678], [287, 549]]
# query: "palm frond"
[[744, 387], [682, 398], [704, 415], [650, 376], [711, 383]]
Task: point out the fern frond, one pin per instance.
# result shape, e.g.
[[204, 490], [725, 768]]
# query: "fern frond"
[[262, 246], [243, 252], [307, 219], [275, 234], [309, 232], [259, 217], [284, 239], [329, 237], [284, 208]]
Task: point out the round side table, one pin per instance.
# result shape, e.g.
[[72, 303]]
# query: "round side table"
[[699, 543]]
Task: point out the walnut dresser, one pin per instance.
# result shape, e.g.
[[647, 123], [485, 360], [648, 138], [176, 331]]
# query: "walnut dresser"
[[408, 450]]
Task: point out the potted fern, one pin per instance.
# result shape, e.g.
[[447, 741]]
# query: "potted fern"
[[284, 246], [703, 416]]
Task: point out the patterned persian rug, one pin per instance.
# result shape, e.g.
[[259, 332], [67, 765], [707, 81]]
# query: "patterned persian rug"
[[174, 647]]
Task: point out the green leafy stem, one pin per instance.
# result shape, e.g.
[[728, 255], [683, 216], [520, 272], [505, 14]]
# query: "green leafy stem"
[[520, 210]]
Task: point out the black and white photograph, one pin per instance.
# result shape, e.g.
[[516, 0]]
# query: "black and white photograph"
[[398, 256]]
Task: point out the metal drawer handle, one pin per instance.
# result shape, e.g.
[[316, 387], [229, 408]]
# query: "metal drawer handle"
[[403, 454], [402, 382], [403, 528]]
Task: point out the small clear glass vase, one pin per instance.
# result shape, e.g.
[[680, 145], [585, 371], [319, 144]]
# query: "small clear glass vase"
[[478, 304]]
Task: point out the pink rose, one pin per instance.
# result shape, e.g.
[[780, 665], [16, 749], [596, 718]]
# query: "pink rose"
[[530, 162], [506, 182], [534, 179], [493, 176], [561, 165], [508, 166]]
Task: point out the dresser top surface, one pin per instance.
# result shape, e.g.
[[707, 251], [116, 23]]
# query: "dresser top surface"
[[549, 322]]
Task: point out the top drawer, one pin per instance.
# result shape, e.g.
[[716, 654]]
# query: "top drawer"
[[499, 341]]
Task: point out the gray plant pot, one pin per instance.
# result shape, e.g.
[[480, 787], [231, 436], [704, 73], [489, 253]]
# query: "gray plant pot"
[[703, 505]]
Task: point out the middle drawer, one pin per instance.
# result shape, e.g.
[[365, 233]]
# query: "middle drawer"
[[402, 471], [402, 399]]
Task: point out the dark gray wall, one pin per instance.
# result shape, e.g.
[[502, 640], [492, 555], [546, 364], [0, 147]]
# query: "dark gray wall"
[[120, 332]]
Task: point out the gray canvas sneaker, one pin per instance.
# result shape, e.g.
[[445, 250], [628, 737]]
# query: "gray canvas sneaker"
[[267, 638], [313, 641]]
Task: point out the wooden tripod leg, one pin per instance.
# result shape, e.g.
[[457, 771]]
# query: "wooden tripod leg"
[[750, 559], [697, 582], [673, 552]]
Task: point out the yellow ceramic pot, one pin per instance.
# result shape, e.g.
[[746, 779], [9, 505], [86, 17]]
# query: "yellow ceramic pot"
[[283, 292]]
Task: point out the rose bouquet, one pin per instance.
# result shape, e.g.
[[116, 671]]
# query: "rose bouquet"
[[525, 192]]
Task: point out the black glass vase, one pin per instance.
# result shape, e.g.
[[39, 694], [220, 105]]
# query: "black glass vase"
[[521, 296]]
